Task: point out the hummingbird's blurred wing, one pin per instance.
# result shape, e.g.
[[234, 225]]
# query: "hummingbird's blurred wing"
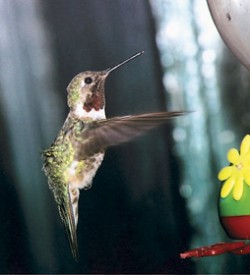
[[103, 133]]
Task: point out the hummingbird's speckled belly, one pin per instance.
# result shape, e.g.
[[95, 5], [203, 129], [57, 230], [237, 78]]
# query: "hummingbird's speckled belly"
[[81, 172]]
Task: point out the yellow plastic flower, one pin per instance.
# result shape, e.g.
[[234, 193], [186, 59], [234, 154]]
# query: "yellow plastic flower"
[[238, 172]]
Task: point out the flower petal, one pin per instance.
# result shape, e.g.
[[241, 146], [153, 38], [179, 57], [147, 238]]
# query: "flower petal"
[[225, 173], [233, 156], [246, 161], [227, 187], [246, 175], [245, 145], [238, 189]]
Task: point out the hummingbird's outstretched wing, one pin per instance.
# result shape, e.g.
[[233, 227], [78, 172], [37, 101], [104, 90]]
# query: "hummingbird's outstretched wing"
[[107, 132]]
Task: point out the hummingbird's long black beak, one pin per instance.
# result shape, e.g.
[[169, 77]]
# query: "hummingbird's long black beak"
[[123, 62]]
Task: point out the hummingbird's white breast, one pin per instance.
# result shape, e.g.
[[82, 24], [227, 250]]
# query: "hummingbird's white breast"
[[80, 175], [92, 114]]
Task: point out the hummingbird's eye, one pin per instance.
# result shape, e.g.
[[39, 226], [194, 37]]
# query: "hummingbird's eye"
[[88, 80]]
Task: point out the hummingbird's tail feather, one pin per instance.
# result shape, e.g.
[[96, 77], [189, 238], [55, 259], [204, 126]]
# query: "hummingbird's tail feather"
[[67, 216]]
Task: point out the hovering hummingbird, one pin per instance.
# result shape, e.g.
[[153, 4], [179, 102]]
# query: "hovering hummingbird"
[[71, 162]]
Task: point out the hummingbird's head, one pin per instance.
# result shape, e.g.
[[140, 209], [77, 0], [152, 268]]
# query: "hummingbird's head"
[[86, 92]]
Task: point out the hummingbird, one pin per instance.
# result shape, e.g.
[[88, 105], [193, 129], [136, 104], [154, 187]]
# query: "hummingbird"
[[72, 160]]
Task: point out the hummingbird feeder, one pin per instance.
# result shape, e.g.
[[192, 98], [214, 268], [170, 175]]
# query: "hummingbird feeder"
[[234, 206]]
